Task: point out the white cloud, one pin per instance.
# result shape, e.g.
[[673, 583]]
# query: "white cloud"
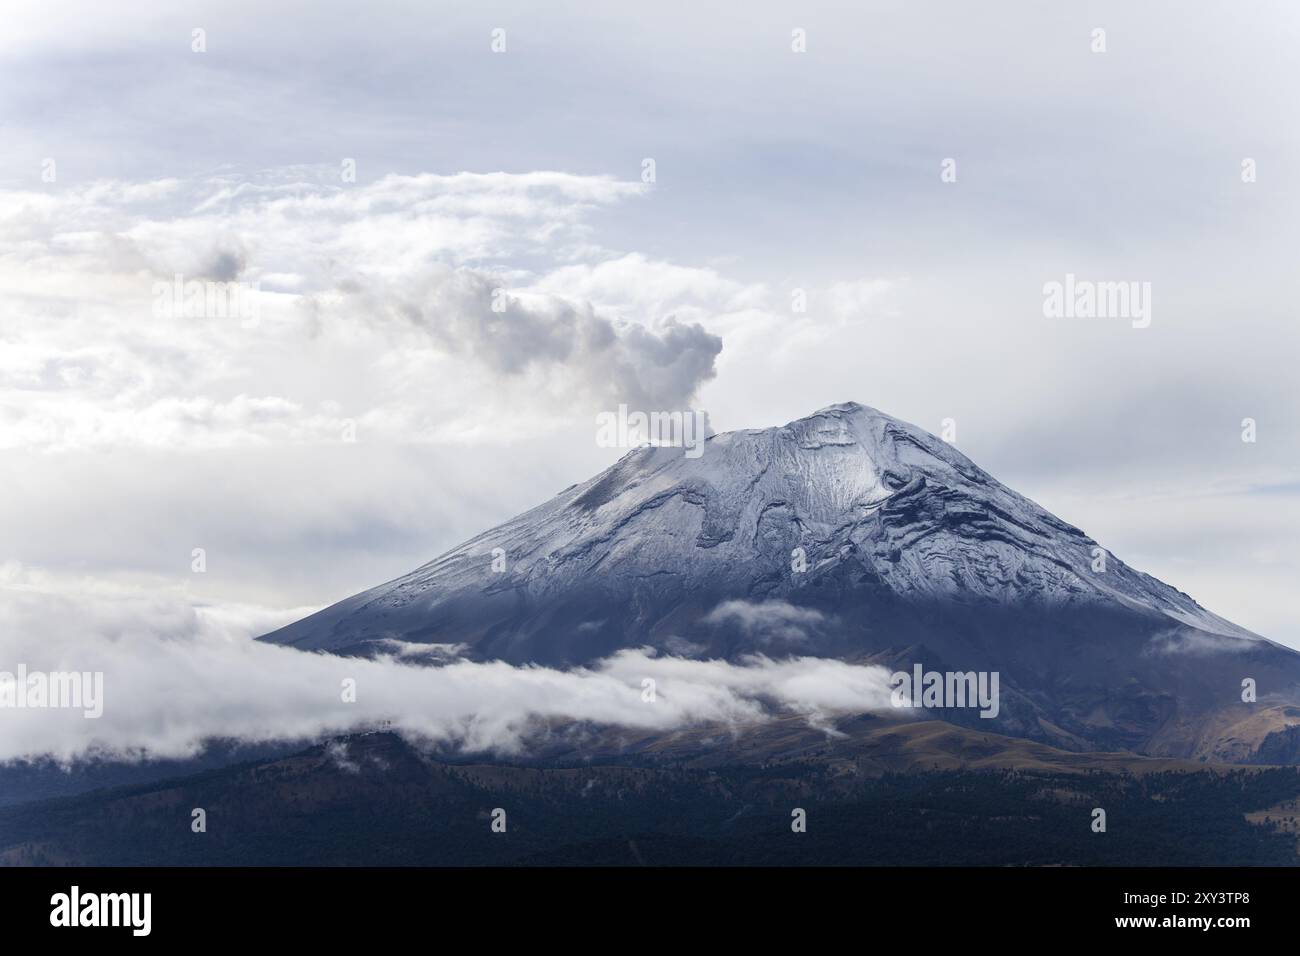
[[176, 675], [635, 285], [407, 280], [770, 621]]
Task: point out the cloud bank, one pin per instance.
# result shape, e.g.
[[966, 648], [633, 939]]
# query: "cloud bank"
[[176, 675]]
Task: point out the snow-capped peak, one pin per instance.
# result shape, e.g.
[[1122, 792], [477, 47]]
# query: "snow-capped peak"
[[866, 502]]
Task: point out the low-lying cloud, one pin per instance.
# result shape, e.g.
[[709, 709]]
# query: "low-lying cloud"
[[772, 621], [176, 676]]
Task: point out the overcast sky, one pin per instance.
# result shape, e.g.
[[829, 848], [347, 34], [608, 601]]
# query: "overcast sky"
[[129, 439]]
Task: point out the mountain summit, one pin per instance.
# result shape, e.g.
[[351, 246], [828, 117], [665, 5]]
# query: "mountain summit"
[[848, 534]]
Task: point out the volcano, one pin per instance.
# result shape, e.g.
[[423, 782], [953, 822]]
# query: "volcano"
[[854, 535]]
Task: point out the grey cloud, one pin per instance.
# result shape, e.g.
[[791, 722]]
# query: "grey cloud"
[[614, 360], [663, 369], [226, 265]]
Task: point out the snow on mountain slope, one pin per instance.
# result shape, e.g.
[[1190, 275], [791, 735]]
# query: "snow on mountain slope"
[[854, 488]]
